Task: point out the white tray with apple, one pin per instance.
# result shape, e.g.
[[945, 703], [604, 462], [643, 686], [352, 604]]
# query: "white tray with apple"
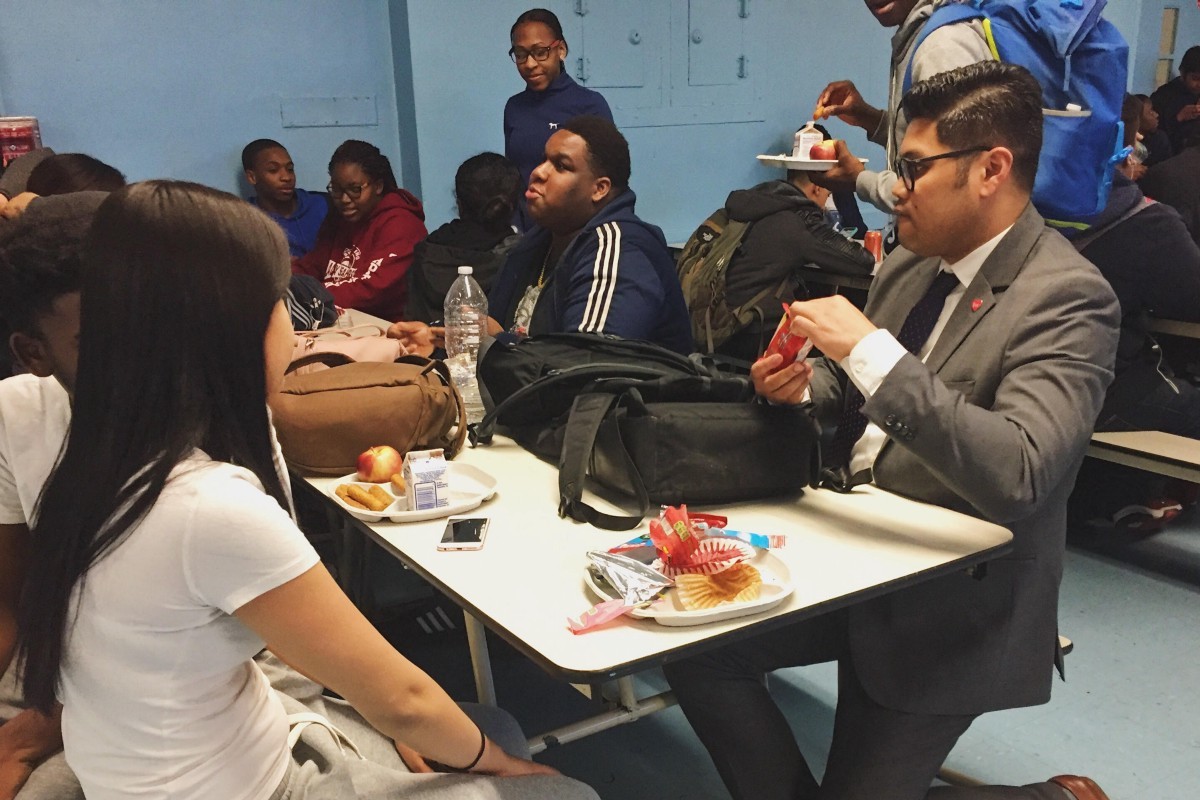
[[469, 486], [806, 164]]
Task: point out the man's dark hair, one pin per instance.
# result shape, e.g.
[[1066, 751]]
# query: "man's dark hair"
[[250, 152], [40, 257], [1190, 61], [608, 152], [984, 104], [65, 173], [487, 187], [369, 159]]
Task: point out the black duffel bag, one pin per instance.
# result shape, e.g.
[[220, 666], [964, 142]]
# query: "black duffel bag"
[[647, 423]]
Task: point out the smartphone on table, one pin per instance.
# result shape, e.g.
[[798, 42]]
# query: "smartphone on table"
[[464, 533]]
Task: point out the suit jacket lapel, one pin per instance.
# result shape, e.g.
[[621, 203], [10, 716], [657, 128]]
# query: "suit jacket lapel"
[[996, 274]]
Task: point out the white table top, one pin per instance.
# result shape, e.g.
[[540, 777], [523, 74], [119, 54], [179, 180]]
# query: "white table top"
[[528, 578]]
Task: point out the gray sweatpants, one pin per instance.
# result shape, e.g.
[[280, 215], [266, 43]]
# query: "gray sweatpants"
[[321, 770]]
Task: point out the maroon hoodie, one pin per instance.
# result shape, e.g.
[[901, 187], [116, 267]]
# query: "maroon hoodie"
[[365, 264]]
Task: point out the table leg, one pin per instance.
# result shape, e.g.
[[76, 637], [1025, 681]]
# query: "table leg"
[[481, 662], [630, 709]]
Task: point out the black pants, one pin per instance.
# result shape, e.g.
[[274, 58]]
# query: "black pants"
[[876, 752]]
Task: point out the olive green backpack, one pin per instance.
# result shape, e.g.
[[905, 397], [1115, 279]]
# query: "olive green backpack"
[[702, 267]]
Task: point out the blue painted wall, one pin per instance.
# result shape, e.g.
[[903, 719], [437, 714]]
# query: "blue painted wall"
[[176, 88], [1145, 56], [681, 172]]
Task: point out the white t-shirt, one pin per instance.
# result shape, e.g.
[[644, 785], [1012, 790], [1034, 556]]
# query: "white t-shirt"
[[35, 414], [160, 696]]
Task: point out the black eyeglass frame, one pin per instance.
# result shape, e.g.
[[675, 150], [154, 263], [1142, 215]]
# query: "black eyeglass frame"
[[906, 168], [545, 56], [353, 192]]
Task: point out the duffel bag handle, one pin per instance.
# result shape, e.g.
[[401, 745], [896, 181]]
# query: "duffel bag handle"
[[587, 413], [430, 364], [328, 358]]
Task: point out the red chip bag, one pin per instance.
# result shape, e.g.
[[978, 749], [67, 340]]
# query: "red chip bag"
[[791, 346]]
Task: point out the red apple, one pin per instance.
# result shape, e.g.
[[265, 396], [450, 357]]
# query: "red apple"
[[824, 151], [379, 464]]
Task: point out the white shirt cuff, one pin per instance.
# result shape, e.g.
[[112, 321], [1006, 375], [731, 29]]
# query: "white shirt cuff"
[[872, 359]]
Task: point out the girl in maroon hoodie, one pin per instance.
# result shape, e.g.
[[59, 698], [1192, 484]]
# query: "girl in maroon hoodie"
[[363, 251]]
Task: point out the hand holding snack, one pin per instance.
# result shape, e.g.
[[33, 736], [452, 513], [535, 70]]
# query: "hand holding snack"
[[779, 382], [842, 99], [833, 324]]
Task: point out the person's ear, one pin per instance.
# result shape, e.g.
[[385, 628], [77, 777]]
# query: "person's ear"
[[996, 167], [562, 49], [30, 352], [251, 178], [601, 189]]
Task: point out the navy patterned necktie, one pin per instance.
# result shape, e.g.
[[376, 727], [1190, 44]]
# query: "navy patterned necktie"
[[913, 334]]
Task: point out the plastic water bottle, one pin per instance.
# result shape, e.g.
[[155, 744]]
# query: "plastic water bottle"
[[465, 314]]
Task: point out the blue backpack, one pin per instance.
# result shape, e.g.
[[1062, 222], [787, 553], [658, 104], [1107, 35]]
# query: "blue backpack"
[[1081, 62]]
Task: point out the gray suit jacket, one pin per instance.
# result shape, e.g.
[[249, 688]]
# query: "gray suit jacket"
[[995, 424]]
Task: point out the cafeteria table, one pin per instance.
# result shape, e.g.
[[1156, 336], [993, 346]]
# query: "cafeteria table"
[[529, 576]]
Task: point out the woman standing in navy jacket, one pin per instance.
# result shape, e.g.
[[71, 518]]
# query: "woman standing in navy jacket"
[[551, 96]]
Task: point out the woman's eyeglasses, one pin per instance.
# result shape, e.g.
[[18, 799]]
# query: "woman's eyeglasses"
[[354, 190], [909, 169], [540, 54]]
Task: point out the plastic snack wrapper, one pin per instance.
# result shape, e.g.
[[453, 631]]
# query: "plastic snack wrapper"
[[636, 582], [791, 346]]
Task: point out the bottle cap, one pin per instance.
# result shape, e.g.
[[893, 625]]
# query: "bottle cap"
[[465, 270]]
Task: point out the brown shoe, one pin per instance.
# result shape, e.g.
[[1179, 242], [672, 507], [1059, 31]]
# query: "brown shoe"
[[1080, 788]]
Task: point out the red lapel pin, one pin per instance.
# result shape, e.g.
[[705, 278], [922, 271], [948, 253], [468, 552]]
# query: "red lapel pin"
[[976, 304]]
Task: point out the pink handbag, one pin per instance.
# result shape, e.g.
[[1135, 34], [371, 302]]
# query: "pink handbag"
[[361, 343]]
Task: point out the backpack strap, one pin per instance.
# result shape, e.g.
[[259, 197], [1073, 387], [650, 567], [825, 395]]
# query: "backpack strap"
[[587, 413], [1093, 234], [483, 432], [948, 15]]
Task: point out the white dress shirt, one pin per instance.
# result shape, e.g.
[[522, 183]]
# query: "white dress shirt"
[[877, 353]]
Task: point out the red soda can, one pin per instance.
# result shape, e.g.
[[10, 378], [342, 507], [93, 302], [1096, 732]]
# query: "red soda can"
[[873, 241]]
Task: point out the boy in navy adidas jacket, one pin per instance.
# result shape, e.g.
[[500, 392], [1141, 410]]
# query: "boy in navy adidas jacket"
[[590, 264]]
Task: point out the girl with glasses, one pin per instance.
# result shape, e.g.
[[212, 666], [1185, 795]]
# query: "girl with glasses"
[[551, 96], [365, 246]]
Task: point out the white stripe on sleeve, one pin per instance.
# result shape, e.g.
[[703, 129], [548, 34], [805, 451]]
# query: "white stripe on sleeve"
[[604, 278]]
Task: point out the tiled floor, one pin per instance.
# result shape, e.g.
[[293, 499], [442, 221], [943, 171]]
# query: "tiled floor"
[[1127, 716]]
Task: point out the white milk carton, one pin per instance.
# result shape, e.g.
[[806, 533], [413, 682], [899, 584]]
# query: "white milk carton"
[[425, 474]]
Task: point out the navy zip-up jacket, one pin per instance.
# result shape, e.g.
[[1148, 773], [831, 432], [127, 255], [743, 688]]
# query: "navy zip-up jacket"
[[617, 277]]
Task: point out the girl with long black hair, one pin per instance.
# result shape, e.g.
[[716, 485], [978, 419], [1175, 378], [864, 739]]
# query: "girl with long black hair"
[[167, 555]]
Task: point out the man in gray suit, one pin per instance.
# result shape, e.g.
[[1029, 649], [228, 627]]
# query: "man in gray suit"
[[971, 382]]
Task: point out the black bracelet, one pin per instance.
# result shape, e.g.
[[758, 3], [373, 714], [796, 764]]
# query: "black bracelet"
[[440, 767]]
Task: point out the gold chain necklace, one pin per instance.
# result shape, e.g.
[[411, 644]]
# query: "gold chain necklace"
[[545, 263]]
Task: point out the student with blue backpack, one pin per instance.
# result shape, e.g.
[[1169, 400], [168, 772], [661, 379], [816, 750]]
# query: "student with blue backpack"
[[1080, 61], [952, 46]]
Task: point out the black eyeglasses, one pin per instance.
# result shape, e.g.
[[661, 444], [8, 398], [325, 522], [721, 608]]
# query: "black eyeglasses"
[[354, 190], [539, 53], [909, 169]]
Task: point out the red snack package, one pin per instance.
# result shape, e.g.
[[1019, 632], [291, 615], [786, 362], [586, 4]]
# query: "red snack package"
[[673, 536], [791, 346]]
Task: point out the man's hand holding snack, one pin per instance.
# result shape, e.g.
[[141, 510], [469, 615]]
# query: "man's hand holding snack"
[[780, 383], [842, 99], [832, 324]]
